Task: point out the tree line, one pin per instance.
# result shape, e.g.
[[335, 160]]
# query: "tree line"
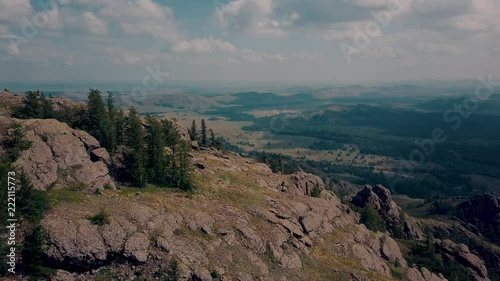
[[153, 148]]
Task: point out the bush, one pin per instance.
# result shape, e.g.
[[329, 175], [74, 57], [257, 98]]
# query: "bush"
[[173, 272], [316, 191], [372, 219], [33, 254], [215, 275], [76, 186], [101, 218]]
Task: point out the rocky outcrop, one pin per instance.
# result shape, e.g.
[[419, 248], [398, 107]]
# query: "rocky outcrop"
[[423, 274], [461, 254], [396, 220], [483, 211], [61, 157], [301, 183], [9, 101], [242, 240]]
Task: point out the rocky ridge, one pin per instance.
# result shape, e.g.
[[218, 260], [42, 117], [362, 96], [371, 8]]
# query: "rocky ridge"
[[234, 225], [244, 222]]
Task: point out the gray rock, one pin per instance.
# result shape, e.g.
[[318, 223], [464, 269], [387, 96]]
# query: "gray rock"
[[61, 155], [75, 243], [136, 247]]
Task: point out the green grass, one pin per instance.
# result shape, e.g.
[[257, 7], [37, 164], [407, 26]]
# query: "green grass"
[[59, 196], [148, 189]]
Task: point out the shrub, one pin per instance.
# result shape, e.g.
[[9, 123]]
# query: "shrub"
[[215, 275], [76, 186], [101, 218], [33, 254], [372, 219], [316, 191], [173, 272]]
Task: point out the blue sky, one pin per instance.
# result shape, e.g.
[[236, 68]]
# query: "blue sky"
[[249, 40]]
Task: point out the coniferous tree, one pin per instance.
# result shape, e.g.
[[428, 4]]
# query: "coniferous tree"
[[35, 105], [156, 159], [136, 162], [15, 141], [120, 126], [193, 132], [172, 140], [171, 133], [184, 166], [204, 140], [97, 118], [110, 103], [212, 138]]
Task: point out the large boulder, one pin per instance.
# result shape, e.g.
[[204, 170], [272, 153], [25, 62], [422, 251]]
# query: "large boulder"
[[61, 157], [302, 183]]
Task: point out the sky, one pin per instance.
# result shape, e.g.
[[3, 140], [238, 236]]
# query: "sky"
[[336, 41]]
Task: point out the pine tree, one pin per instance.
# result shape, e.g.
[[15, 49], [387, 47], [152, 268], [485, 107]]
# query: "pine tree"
[[35, 105], [172, 139], [15, 141], [120, 126], [193, 133], [156, 158], [135, 141], [212, 138], [171, 133], [184, 166], [97, 118], [110, 103], [204, 141]]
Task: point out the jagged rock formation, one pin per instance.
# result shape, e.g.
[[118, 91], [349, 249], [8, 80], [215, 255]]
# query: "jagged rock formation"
[[483, 211], [61, 157], [380, 198], [460, 253]]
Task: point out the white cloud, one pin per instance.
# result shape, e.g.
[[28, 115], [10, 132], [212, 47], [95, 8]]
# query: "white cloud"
[[12, 11], [141, 17], [203, 46], [93, 24], [250, 56], [252, 17], [87, 22]]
